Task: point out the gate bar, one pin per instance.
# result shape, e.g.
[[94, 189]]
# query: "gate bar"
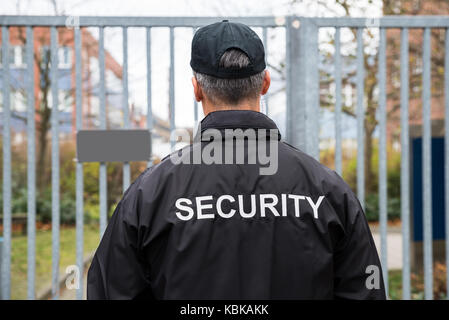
[[385, 22], [337, 70], [427, 162], [303, 99], [103, 169], [309, 35], [126, 168], [79, 167], [360, 119], [383, 216], [405, 167], [6, 267], [288, 91], [31, 167], [263, 21], [149, 96], [54, 163], [91, 21], [172, 88]]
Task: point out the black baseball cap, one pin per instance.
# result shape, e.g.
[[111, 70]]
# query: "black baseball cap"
[[211, 41]]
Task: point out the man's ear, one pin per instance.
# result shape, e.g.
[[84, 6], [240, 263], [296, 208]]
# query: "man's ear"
[[197, 90], [266, 82]]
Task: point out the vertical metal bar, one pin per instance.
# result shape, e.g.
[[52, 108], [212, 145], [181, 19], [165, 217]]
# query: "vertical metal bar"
[[79, 165], [303, 104], [195, 103], [427, 163], [360, 119], [31, 166], [103, 169], [126, 168], [446, 156], [6, 267], [337, 66], [54, 163], [309, 37], [149, 96], [383, 155], [290, 45], [265, 44], [172, 87], [405, 169]]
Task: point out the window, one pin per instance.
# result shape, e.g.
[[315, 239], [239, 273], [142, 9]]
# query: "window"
[[16, 56], [64, 56], [18, 101], [65, 100]]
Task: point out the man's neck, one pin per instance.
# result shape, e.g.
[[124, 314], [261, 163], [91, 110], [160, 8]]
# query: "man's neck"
[[254, 106]]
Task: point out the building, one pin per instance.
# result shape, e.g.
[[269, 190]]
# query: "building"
[[415, 7], [66, 84]]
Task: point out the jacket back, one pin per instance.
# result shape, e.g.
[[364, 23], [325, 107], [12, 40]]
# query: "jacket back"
[[226, 231]]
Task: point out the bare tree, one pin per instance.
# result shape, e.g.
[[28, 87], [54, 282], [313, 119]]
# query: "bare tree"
[[43, 109]]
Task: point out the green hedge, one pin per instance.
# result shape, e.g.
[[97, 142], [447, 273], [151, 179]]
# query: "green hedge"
[[372, 207], [43, 206]]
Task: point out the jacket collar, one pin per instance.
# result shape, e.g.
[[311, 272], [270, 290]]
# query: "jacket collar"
[[238, 119]]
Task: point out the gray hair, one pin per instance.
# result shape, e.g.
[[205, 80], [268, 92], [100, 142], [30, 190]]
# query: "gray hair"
[[231, 91]]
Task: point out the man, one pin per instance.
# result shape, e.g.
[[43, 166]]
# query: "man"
[[207, 229]]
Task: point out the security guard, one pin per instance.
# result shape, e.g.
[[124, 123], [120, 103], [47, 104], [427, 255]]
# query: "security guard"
[[212, 229]]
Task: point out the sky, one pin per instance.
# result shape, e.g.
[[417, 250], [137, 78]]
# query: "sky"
[[160, 42]]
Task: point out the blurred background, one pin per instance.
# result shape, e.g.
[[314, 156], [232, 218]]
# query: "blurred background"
[[164, 115]]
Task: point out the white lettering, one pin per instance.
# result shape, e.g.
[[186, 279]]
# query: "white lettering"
[[189, 210], [315, 206], [219, 208], [264, 205], [207, 207], [296, 199], [284, 204], [242, 209], [200, 207]]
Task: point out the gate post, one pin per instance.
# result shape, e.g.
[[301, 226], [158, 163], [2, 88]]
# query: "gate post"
[[302, 85]]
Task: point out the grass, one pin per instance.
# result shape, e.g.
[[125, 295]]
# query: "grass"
[[417, 285], [44, 256], [395, 284]]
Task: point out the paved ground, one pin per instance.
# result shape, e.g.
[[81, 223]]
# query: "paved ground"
[[394, 249]]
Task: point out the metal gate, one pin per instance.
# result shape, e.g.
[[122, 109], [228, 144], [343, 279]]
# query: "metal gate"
[[302, 93]]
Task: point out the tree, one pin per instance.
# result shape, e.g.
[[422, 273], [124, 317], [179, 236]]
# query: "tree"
[[43, 109], [370, 61]]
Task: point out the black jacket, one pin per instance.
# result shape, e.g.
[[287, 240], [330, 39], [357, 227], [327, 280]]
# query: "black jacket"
[[158, 245]]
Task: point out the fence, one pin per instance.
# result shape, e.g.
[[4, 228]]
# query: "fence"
[[302, 92]]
